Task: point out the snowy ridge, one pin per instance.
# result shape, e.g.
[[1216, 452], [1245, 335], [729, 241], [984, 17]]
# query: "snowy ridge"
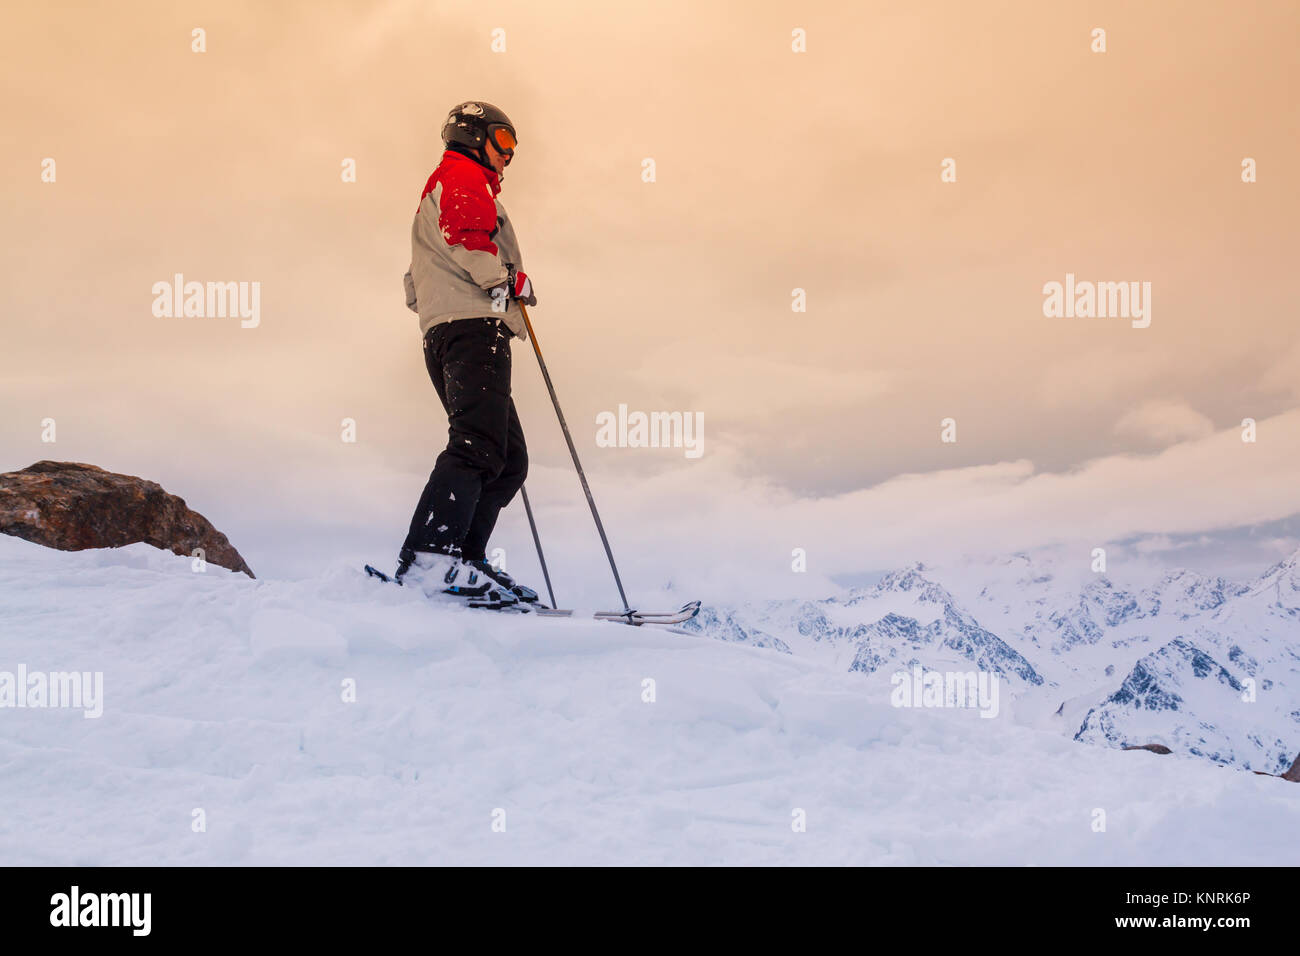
[[1227, 687], [906, 619], [1279, 587], [1206, 666], [1159, 704], [223, 694]]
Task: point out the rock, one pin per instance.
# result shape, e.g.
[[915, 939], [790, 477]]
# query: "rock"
[[71, 506], [1154, 748], [1294, 773]]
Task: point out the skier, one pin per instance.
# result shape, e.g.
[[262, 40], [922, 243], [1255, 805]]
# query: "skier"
[[466, 274]]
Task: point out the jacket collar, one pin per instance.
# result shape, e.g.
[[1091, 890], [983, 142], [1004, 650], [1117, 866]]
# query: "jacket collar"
[[456, 156]]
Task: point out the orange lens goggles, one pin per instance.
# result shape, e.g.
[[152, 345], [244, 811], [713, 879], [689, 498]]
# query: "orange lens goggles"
[[503, 139]]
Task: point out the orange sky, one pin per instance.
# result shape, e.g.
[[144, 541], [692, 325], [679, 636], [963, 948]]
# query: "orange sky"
[[775, 170]]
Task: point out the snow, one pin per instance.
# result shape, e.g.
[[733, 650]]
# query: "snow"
[[227, 695]]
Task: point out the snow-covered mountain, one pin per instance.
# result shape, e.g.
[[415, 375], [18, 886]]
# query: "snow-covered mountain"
[[336, 720], [1227, 687], [904, 620], [1186, 594], [1203, 665], [1278, 589]]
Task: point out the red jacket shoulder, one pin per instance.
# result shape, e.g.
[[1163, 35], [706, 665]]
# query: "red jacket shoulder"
[[462, 174], [467, 211]]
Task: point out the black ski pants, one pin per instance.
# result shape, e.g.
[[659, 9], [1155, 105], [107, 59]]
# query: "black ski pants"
[[485, 461]]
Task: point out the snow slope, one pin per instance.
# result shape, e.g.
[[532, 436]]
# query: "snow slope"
[[225, 694]]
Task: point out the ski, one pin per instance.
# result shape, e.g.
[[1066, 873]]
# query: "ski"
[[630, 616], [634, 617]]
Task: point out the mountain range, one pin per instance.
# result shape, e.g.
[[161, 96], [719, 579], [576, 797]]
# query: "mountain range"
[[1203, 665]]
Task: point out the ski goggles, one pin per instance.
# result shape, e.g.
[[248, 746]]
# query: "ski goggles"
[[503, 138]]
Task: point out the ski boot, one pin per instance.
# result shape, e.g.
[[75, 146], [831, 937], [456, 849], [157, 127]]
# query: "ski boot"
[[437, 574], [520, 591]]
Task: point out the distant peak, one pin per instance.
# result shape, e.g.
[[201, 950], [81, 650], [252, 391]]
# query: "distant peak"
[[1290, 562]]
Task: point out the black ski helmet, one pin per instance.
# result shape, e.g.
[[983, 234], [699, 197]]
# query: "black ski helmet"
[[471, 123]]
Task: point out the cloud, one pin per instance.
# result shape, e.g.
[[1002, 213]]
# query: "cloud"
[[753, 388], [1093, 377], [1164, 422], [933, 286], [711, 528], [1161, 543], [1284, 374]]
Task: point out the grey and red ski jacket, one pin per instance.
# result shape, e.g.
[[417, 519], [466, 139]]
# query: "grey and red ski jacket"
[[461, 243]]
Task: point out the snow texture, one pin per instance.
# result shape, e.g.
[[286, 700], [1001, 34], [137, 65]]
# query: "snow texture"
[[227, 695]]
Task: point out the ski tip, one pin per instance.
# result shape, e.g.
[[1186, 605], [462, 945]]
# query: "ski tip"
[[691, 607], [376, 573]]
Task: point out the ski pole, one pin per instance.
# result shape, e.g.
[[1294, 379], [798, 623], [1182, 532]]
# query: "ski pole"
[[538, 541], [573, 452]]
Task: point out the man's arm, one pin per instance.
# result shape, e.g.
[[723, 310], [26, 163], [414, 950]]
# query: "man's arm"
[[409, 283], [467, 219]]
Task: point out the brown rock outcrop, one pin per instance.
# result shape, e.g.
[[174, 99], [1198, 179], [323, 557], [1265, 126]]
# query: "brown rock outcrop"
[[1294, 773], [1154, 748], [71, 506]]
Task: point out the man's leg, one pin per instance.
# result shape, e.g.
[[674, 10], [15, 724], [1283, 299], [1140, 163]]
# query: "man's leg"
[[498, 492], [469, 363]]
